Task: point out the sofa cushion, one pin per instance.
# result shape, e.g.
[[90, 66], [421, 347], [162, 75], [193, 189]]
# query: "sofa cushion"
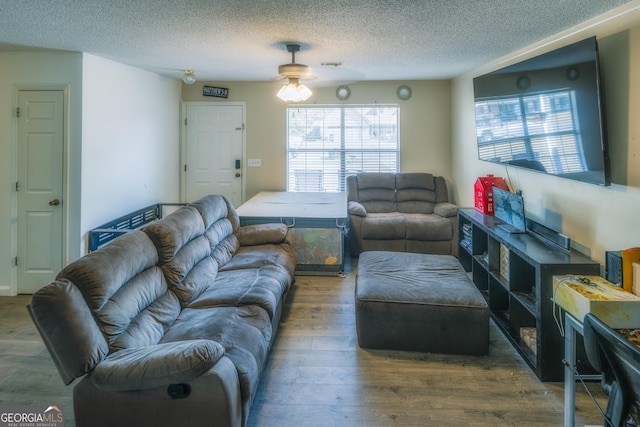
[[428, 227], [357, 209], [196, 281], [139, 314], [384, 226], [253, 257], [212, 208], [244, 332], [377, 192], [126, 292], [416, 192], [174, 231], [156, 365], [96, 275], [415, 181], [446, 209], [75, 342], [263, 287], [261, 234], [177, 267]]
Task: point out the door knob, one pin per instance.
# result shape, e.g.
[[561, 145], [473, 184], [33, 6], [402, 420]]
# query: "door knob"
[[237, 174], [54, 202]]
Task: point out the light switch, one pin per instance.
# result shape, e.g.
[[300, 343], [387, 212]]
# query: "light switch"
[[254, 163]]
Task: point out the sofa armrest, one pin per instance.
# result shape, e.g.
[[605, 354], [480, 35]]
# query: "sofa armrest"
[[156, 365], [262, 234], [356, 208], [446, 209]]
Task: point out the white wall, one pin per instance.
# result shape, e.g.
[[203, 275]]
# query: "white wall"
[[130, 140], [596, 218], [36, 70], [122, 142], [425, 124]]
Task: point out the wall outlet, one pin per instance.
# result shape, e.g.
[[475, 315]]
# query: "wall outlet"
[[254, 163]]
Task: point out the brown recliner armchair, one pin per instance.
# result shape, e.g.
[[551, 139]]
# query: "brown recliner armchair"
[[401, 212]]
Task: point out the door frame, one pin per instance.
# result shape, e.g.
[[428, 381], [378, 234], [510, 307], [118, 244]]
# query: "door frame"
[[183, 143], [66, 147]]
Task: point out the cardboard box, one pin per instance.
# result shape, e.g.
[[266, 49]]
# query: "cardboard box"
[[504, 261], [635, 288], [483, 192], [613, 305], [528, 337]]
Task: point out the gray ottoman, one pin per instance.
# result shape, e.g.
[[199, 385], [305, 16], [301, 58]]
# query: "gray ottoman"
[[417, 302]]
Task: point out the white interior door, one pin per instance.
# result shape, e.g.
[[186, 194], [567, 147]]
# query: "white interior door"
[[214, 139], [40, 188]]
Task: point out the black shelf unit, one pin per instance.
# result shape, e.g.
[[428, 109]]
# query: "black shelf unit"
[[519, 287]]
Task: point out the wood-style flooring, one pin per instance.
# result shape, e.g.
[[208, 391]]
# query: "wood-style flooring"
[[318, 376]]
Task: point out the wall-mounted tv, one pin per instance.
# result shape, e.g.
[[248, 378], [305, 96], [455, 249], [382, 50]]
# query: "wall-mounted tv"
[[546, 114]]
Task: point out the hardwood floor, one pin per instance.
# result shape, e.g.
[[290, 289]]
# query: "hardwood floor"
[[318, 376]]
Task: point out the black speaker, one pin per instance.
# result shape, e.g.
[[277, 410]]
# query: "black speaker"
[[613, 267]]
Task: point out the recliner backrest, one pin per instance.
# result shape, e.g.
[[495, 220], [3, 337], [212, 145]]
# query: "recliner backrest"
[[221, 223], [114, 298], [183, 252], [397, 192], [375, 191], [126, 291], [416, 192]]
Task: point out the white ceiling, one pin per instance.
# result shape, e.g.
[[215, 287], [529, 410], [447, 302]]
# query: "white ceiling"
[[244, 39]]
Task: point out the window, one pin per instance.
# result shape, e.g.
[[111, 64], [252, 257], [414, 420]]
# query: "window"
[[541, 128], [327, 143]]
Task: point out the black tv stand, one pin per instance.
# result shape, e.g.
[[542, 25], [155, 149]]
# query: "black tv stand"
[[514, 273]]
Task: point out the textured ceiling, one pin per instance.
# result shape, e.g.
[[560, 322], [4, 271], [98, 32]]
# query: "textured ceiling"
[[244, 39]]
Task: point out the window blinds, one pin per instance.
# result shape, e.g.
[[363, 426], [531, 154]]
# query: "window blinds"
[[326, 143]]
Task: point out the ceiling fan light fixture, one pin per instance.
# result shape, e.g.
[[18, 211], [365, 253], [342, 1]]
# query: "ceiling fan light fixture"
[[189, 78], [293, 72], [294, 92]]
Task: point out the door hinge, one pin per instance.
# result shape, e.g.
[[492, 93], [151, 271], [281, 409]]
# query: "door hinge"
[[15, 261], [185, 168], [243, 126], [17, 111], [17, 186], [185, 121]]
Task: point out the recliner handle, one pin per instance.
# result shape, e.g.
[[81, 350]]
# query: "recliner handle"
[[179, 391]]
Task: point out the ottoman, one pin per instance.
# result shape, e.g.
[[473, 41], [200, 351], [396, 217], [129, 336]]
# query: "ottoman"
[[418, 302]]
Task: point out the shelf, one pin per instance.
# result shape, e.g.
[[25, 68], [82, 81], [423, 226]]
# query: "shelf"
[[503, 281], [482, 260], [528, 300], [514, 273], [502, 320]]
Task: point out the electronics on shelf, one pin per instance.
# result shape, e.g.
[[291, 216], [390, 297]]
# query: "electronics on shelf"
[[509, 207]]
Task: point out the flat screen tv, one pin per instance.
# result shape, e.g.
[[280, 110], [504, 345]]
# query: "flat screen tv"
[[546, 114]]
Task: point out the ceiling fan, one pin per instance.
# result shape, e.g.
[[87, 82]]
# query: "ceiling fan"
[[294, 91]]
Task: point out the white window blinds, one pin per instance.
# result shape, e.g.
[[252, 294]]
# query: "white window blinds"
[[326, 143]]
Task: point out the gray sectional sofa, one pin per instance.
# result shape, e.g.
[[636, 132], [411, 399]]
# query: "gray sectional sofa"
[[401, 212], [172, 324]]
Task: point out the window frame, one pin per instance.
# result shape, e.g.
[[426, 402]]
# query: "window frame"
[[352, 139]]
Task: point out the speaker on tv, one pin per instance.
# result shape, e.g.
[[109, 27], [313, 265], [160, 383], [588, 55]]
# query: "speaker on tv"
[[613, 267]]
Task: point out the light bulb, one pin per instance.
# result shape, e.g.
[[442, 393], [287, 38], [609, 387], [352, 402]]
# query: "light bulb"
[[294, 92], [188, 77]]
